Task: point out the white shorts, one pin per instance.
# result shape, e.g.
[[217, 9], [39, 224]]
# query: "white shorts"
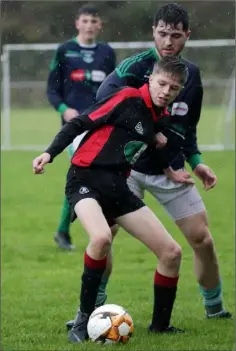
[[179, 200]]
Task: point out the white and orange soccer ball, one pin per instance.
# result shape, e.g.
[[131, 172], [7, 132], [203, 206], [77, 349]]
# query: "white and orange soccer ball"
[[110, 324]]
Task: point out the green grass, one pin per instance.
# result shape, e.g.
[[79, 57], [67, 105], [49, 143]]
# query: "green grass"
[[38, 126], [41, 284]]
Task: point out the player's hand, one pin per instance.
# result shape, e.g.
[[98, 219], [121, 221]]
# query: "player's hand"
[[69, 114], [161, 140], [39, 163], [206, 175], [180, 176]]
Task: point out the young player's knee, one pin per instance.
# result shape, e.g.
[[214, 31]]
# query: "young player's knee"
[[102, 241], [171, 256], [199, 235]]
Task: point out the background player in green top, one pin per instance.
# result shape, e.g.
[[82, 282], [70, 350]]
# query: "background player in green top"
[[77, 70]]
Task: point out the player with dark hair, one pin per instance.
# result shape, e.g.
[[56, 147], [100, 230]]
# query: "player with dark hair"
[[77, 69], [182, 202], [119, 129]]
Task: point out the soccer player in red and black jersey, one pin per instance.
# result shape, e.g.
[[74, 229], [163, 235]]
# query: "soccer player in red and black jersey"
[[76, 72], [119, 129]]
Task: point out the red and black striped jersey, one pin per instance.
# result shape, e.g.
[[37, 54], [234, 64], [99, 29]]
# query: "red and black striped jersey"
[[185, 109], [119, 129]]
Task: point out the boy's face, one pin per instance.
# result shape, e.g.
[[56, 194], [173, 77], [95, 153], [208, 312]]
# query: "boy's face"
[[163, 88], [169, 40], [88, 26]]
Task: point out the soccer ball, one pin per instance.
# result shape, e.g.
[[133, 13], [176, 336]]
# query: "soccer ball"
[[110, 324]]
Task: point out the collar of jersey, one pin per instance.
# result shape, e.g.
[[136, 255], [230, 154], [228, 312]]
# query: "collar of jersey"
[[158, 56], [144, 91], [84, 46]]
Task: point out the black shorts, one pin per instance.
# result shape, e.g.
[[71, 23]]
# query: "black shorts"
[[109, 188]]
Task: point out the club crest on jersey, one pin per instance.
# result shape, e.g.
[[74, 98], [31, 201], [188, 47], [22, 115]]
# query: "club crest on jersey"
[[179, 109], [87, 56], [139, 128], [83, 190]]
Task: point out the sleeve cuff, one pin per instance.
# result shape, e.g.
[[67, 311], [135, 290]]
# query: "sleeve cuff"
[[62, 108], [194, 160], [51, 159]]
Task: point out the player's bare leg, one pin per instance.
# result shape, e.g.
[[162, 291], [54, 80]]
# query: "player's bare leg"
[[144, 226], [195, 228], [102, 294], [95, 259]]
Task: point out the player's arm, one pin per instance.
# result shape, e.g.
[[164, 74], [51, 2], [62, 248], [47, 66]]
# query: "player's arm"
[[64, 138], [190, 147], [55, 87], [165, 139], [191, 151], [95, 117], [161, 143], [55, 82]]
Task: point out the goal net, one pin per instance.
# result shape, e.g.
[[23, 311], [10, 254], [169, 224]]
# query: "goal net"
[[29, 122]]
